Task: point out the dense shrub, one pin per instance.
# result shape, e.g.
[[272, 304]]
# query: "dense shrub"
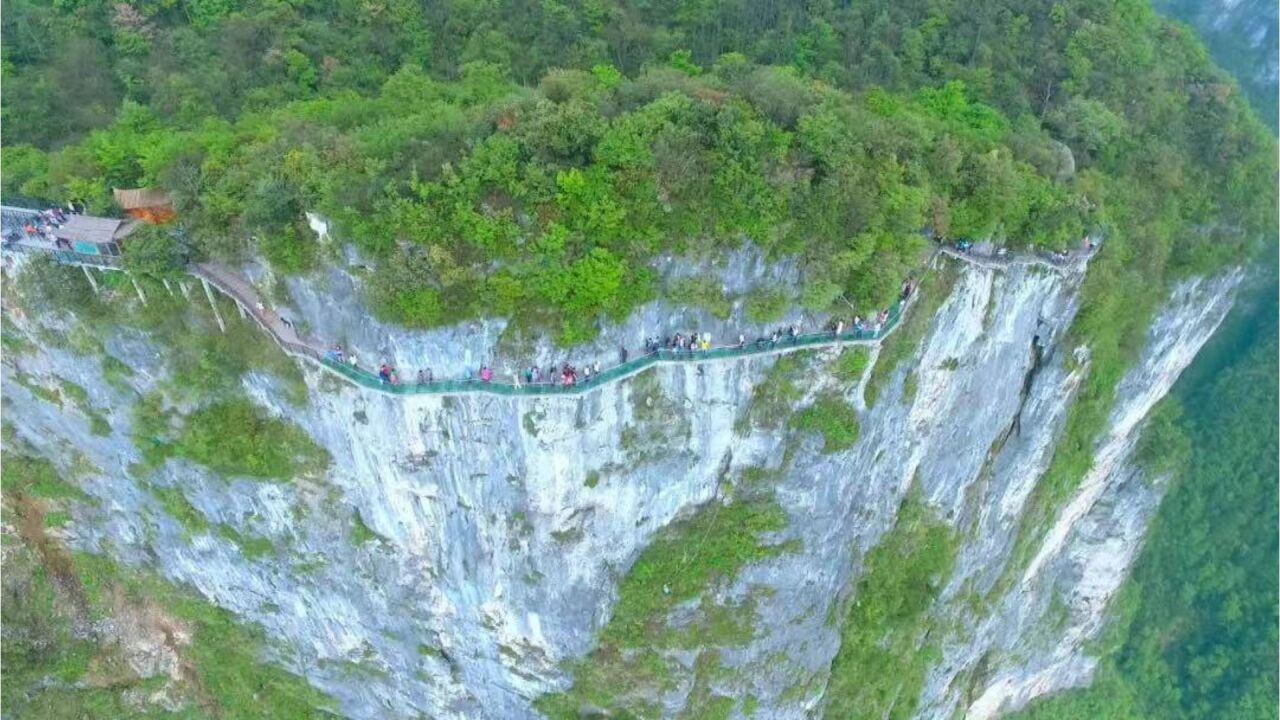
[[236, 437]]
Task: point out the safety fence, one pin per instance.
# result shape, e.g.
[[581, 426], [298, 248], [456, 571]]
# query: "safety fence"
[[551, 385], [70, 257], [554, 386]]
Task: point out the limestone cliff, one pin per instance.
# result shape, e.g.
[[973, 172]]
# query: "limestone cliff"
[[500, 527]]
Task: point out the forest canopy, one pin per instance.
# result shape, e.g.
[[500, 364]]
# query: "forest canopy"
[[529, 160]]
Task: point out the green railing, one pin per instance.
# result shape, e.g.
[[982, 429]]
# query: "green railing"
[[475, 385], [69, 257]]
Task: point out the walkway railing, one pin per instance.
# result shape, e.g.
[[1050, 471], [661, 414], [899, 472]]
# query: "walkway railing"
[[247, 299], [70, 257], [1064, 262], [214, 277], [763, 346]]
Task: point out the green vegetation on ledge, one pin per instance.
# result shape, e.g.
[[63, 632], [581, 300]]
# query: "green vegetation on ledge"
[[774, 398], [235, 437], [850, 364], [26, 474], [684, 564], [231, 436], [834, 418], [885, 650], [226, 431], [62, 657]]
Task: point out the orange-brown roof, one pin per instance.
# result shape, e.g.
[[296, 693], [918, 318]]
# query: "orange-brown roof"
[[133, 198]]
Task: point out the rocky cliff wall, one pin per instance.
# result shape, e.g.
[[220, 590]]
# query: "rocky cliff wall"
[[501, 527]]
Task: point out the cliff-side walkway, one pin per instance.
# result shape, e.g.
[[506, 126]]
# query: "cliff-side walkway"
[[286, 334]]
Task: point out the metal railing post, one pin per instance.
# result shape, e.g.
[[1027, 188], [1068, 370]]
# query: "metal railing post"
[[138, 288], [89, 276], [213, 305]]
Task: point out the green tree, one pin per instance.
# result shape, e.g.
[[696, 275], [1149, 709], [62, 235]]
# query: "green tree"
[[154, 250]]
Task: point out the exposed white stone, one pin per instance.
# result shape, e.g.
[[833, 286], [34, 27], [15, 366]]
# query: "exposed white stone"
[[495, 554]]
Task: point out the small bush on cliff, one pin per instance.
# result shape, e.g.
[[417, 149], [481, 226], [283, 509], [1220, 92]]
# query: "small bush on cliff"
[[834, 418], [885, 650], [177, 506], [774, 397], [236, 437], [851, 364], [701, 292], [767, 305], [34, 476]]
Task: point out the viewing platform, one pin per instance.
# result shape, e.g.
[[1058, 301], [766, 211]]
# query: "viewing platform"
[[68, 238]]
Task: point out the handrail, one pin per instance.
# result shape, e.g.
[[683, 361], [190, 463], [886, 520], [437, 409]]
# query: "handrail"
[[371, 381], [226, 289], [1038, 258], [71, 257], [760, 346]]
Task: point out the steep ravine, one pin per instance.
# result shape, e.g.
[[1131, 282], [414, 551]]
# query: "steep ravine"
[[501, 527]]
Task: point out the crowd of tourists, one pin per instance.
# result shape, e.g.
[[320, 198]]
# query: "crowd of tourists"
[[691, 344], [36, 224], [1087, 247]]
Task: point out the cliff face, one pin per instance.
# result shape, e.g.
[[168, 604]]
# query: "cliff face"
[[501, 527]]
